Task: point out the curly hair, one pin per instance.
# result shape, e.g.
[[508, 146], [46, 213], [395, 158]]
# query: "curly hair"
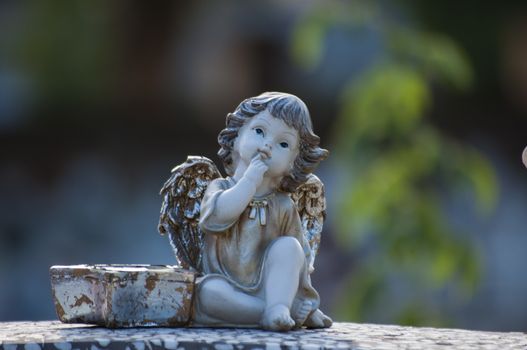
[[294, 113]]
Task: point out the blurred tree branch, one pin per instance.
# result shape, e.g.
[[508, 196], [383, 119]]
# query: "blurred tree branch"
[[398, 168]]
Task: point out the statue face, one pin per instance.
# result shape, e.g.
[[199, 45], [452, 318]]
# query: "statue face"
[[277, 143]]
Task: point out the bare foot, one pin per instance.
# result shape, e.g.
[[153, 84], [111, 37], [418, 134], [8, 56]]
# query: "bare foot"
[[277, 318], [300, 311], [318, 320]]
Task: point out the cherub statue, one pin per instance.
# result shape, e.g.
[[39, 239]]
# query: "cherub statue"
[[252, 235]]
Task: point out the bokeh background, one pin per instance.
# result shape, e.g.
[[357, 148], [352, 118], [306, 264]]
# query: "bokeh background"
[[422, 104]]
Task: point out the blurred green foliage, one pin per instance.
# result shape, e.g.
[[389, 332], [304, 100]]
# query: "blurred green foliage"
[[66, 49], [398, 170]]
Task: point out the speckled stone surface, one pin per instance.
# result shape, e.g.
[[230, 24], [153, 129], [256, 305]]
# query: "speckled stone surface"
[[59, 336]]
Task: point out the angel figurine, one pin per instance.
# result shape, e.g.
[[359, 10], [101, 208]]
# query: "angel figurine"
[[253, 235]]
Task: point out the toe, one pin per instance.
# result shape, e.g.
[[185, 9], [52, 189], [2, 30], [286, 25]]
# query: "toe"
[[318, 320], [277, 318], [327, 321]]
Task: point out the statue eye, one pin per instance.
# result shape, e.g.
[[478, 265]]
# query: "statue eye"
[[284, 144], [258, 131]]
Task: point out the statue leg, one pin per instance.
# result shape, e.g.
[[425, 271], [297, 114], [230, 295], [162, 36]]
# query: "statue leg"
[[284, 263], [219, 300]]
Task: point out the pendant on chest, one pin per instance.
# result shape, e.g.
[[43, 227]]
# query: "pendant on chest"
[[258, 208]]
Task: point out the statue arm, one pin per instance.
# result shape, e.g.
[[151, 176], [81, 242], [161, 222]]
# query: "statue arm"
[[232, 202], [222, 206]]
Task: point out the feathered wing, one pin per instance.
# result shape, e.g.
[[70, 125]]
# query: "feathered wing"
[[180, 210], [311, 204]]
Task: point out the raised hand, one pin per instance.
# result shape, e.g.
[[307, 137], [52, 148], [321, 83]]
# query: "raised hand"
[[256, 170]]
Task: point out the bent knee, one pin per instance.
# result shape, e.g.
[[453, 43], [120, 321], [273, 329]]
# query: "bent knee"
[[289, 243], [286, 248]]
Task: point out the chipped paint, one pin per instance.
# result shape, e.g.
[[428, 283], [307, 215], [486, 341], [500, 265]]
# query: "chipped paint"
[[60, 310], [123, 295], [151, 281], [83, 299]]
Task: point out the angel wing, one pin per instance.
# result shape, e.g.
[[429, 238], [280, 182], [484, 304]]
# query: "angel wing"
[[182, 195], [311, 204]]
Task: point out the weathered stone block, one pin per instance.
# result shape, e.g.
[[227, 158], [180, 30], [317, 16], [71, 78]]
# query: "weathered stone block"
[[123, 295]]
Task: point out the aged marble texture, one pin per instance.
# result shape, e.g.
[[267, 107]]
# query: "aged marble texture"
[[56, 335]]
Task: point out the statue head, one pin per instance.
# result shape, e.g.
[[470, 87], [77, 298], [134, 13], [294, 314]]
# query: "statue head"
[[294, 113]]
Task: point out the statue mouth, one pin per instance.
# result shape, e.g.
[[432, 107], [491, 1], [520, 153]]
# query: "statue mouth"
[[264, 154]]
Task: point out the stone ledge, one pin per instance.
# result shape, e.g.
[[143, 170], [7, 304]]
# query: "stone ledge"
[[60, 336]]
